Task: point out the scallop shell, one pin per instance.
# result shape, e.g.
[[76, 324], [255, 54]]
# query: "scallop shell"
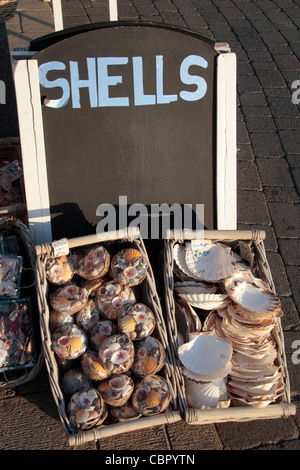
[[81, 415], [211, 263], [140, 397], [206, 395], [153, 399], [131, 254], [206, 355], [92, 367], [149, 364], [76, 343], [206, 301], [127, 324], [252, 294], [179, 254]]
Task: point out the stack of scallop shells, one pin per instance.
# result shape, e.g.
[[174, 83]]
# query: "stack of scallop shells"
[[104, 338], [219, 286]]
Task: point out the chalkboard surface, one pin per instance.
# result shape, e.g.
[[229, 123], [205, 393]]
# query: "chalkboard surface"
[[128, 110]]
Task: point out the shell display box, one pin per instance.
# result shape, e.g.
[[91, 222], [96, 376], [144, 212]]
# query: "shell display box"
[[104, 338], [21, 356], [224, 325]]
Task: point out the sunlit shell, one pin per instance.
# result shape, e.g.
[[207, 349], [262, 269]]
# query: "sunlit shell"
[[75, 343], [206, 395], [127, 324], [82, 415], [206, 301], [153, 399], [58, 319], [252, 293], [205, 354], [212, 262], [131, 254], [179, 253], [149, 364], [92, 367]]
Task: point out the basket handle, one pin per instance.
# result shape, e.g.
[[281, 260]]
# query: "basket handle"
[[187, 234], [129, 233]]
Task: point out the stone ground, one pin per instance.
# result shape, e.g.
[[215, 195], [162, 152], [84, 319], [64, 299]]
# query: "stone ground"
[[265, 36]]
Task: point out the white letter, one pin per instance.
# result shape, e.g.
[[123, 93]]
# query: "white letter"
[[139, 97], [295, 358], [90, 83], [141, 221], [2, 92], [165, 220], [161, 98], [109, 221], [123, 212], [193, 79], [296, 94], [59, 82], [104, 81]]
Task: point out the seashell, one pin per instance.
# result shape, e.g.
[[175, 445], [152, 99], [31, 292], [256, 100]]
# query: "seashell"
[[58, 319], [117, 390], [205, 356], [125, 412], [210, 261], [92, 263], [112, 296], [206, 395], [76, 343], [62, 301], [153, 399], [81, 415], [131, 255], [206, 301], [92, 367], [116, 353], [86, 408], [179, 254], [149, 364], [120, 356], [127, 324], [252, 295], [73, 380], [60, 270]]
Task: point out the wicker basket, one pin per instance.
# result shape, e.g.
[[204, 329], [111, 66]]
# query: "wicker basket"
[[150, 296], [7, 9], [13, 227], [254, 239]]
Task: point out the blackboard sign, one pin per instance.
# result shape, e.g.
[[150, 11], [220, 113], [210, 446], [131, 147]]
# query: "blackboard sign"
[[128, 111]]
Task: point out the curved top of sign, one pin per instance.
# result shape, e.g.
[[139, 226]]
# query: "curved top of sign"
[[43, 42]]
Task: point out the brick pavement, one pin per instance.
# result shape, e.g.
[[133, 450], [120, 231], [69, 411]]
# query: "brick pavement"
[[266, 39]]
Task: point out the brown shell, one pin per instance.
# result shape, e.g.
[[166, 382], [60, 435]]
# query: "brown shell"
[[131, 254], [149, 364], [75, 343], [153, 399]]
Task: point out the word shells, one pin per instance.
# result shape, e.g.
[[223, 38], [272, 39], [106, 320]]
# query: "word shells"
[[86, 408], [151, 395], [111, 296], [60, 270], [74, 380], [116, 354], [70, 298], [92, 263], [129, 267], [149, 357], [136, 321], [69, 341], [117, 390]]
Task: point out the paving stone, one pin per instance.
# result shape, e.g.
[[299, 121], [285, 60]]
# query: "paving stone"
[[279, 275], [250, 43], [252, 208], [266, 144], [296, 176], [245, 153], [281, 194], [258, 111], [283, 107], [274, 172], [286, 219], [247, 176], [290, 140], [286, 61], [252, 99], [293, 273], [290, 318], [258, 124], [40, 23], [293, 161], [270, 241], [242, 133], [270, 78], [290, 250], [188, 437], [248, 84]]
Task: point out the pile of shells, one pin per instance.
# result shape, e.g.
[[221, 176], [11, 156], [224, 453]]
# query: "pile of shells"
[[102, 337], [217, 285], [10, 272]]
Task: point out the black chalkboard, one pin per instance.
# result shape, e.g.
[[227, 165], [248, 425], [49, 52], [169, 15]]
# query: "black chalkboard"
[[128, 110]]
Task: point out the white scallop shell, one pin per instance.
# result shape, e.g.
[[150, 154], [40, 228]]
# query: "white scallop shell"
[[195, 288], [205, 395], [251, 294], [206, 301], [213, 263], [179, 254], [205, 354]]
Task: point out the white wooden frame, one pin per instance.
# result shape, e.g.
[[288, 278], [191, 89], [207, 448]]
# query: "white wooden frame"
[[34, 156]]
